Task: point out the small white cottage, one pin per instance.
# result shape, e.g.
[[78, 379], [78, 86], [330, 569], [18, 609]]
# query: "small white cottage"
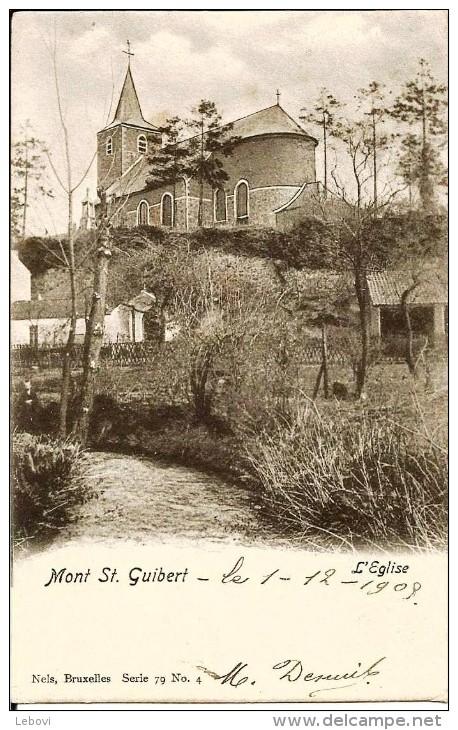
[[46, 322], [20, 279]]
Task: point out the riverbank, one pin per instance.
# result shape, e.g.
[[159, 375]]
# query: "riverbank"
[[170, 434], [340, 473], [350, 475]]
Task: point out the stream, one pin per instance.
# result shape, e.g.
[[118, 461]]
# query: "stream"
[[151, 501]]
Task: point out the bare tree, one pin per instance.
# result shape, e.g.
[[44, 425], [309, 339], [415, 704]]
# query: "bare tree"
[[69, 188], [324, 116], [94, 327], [354, 237], [371, 101], [67, 257]]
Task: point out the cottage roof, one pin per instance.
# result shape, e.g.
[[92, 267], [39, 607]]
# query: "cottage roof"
[[61, 308], [47, 309], [387, 287], [143, 301]]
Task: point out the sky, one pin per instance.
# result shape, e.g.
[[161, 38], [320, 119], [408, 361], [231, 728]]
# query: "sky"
[[237, 59]]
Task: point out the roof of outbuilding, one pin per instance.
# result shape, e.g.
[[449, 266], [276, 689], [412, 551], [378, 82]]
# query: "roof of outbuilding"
[[47, 309], [387, 287], [61, 308], [143, 302]]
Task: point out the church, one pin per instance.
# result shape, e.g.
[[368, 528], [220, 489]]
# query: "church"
[[271, 172]]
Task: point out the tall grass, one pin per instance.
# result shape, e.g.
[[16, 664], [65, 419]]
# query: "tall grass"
[[47, 486], [356, 477]]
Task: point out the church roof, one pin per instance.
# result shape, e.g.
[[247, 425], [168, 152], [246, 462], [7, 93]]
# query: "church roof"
[[128, 110], [132, 180], [273, 120]]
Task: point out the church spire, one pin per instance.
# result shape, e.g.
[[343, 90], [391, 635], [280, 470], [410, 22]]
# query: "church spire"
[[127, 138], [128, 105], [128, 110]]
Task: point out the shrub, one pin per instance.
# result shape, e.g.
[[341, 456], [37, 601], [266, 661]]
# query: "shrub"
[[47, 485], [356, 477]]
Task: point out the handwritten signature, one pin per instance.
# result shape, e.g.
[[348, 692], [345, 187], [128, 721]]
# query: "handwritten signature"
[[294, 670]]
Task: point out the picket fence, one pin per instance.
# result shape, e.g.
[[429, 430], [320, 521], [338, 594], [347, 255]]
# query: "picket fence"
[[44, 357], [131, 354]]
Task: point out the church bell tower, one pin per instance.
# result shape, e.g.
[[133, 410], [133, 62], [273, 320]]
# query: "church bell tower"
[[127, 137]]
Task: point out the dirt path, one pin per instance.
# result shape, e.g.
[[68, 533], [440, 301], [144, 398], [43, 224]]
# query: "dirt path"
[[146, 501]]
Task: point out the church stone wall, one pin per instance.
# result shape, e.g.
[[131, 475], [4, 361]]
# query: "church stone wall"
[[109, 167], [129, 144], [264, 201], [274, 159], [275, 167]]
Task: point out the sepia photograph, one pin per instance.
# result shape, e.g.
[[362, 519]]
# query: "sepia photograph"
[[229, 356]]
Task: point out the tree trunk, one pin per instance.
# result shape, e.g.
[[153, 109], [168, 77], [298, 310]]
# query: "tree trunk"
[[68, 351], [317, 382], [201, 180], [426, 188], [409, 356], [325, 153], [93, 341], [364, 319], [26, 181], [374, 151], [324, 361], [200, 216], [200, 370]]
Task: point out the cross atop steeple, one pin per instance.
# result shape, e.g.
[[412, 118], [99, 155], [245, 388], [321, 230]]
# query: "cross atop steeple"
[[128, 52], [278, 97]]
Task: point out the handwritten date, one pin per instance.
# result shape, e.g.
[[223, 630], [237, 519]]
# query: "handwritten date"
[[372, 587]]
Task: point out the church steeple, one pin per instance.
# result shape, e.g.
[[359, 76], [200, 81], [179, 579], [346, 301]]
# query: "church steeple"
[[126, 137], [128, 109]]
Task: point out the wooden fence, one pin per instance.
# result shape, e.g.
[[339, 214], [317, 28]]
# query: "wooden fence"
[[125, 354], [117, 353]]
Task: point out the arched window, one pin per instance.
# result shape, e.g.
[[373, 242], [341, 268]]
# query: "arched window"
[[167, 210], [220, 206], [142, 145], [242, 202], [109, 146], [143, 213]]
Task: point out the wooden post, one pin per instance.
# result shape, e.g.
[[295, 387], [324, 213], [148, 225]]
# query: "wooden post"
[[317, 382], [93, 340], [324, 354]]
